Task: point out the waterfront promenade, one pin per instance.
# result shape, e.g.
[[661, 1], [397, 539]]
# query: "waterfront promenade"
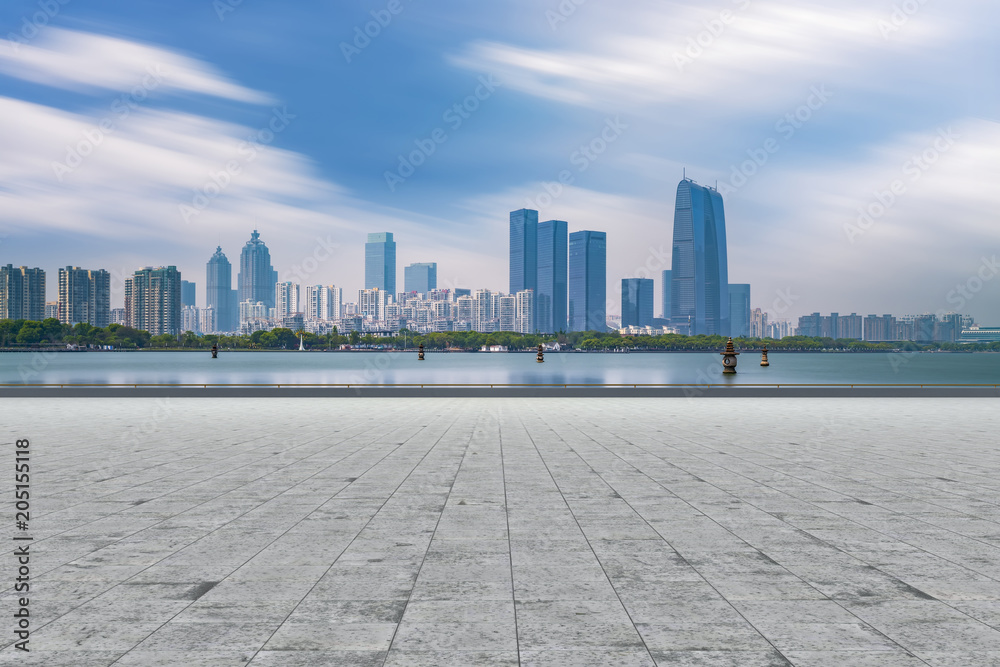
[[444, 531]]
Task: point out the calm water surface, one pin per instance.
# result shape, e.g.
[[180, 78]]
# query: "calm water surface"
[[499, 368]]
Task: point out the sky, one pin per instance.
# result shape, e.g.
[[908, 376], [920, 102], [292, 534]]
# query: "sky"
[[856, 143]]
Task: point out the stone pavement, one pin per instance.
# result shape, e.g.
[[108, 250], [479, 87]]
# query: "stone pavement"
[[562, 532]]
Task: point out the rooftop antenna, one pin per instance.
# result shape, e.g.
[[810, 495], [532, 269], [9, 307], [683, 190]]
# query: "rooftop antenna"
[[685, 173]]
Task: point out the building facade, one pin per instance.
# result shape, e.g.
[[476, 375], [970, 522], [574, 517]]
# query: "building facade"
[[739, 310], [153, 300], [552, 295], [420, 278], [523, 250], [699, 299], [257, 277], [220, 295], [665, 294], [286, 299], [22, 293], [380, 262], [637, 302], [189, 293], [84, 296], [588, 281]]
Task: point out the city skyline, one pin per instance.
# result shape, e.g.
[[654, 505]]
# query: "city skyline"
[[828, 149]]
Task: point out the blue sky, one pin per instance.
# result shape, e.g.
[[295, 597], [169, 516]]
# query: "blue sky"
[[804, 112]]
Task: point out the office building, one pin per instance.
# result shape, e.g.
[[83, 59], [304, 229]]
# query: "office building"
[[380, 263], [552, 295], [739, 310], [189, 295], [22, 293], [665, 294], [587, 281], [153, 300], [420, 278], [637, 302], [286, 299], [699, 299], [257, 277], [523, 250], [84, 296], [220, 295]]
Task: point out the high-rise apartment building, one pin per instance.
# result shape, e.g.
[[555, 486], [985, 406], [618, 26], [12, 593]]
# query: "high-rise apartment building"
[[637, 302], [220, 295], [759, 327], [191, 319], [286, 299], [153, 300], [257, 277], [525, 318], [588, 281], [420, 277], [380, 262], [22, 293], [699, 265], [552, 296], [84, 296], [372, 303], [52, 310], [739, 310], [523, 250], [322, 302]]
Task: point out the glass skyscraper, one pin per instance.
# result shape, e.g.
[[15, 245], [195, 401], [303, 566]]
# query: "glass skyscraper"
[[699, 268], [219, 293], [588, 281], [523, 250], [257, 277], [552, 293], [420, 277], [637, 302], [739, 310], [666, 295], [380, 263]]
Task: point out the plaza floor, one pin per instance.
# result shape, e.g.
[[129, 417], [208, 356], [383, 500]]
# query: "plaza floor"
[[457, 532]]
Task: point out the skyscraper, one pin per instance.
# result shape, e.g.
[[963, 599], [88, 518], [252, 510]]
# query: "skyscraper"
[[637, 302], [587, 281], [22, 293], [739, 310], [421, 277], [257, 277], [699, 268], [84, 296], [380, 263], [189, 296], [551, 296], [286, 299], [219, 294], [666, 294], [523, 250], [153, 300]]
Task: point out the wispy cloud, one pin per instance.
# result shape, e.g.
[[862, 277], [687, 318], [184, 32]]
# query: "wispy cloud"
[[83, 61]]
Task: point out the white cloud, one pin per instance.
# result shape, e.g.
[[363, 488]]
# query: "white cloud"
[[86, 61]]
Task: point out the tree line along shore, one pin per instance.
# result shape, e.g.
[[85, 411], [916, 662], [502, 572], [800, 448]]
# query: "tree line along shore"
[[50, 334]]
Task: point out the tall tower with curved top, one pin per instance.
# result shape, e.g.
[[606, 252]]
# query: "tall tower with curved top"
[[699, 276], [257, 277]]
